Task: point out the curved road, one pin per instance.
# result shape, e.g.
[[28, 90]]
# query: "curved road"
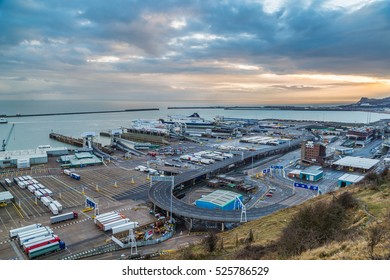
[[160, 192]]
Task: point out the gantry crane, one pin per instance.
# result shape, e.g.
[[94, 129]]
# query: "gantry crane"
[[5, 141]]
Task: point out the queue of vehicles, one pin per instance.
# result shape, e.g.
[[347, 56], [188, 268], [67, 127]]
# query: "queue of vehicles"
[[40, 191], [36, 240]]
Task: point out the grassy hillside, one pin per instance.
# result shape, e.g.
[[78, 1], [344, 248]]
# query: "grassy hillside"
[[352, 223]]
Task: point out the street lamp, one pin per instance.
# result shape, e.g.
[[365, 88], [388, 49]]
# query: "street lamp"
[[172, 186]]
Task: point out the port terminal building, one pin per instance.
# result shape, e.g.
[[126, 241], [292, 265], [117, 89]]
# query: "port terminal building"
[[26, 158], [80, 160], [219, 199]]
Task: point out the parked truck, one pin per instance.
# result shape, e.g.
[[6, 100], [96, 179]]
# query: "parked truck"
[[21, 235], [46, 249], [53, 208], [64, 217], [58, 205], [104, 219], [30, 237], [38, 242], [14, 232], [97, 217], [67, 172], [31, 188], [45, 200], [108, 226], [114, 219], [8, 182], [75, 176], [49, 192]]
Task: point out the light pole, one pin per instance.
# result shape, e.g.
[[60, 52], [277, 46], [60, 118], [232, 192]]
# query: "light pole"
[[172, 186]]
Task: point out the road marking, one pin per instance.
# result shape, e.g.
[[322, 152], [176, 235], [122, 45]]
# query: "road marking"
[[20, 256]]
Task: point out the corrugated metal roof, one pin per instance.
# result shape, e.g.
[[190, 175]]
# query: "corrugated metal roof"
[[220, 197], [357, 162], [351, 178]]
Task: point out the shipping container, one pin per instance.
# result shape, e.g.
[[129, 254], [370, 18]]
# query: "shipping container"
[[113, 219], [108, 226], [64, 217], [58, 205], [53, 208], [108, 217], [124, 227], [46, 249], [14, 232], [100, 216]]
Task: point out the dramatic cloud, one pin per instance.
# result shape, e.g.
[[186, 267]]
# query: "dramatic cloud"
[[226, 51]]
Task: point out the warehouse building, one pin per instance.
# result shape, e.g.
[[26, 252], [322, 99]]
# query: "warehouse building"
[[312, 174], [219, 199], [22, 158], [349, 179], [361, 135], [355, 164]]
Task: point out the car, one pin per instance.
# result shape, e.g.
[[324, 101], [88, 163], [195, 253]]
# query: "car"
[[269, 194]]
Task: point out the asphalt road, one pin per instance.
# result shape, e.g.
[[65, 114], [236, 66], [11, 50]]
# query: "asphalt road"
[[160, 193]]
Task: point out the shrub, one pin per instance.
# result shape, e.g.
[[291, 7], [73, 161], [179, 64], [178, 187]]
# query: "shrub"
[[311, 227]]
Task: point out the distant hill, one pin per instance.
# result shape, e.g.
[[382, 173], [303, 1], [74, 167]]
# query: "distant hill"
[[352, 223], [372, 102]]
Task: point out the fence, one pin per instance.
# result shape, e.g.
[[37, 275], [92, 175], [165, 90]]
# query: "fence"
[[114, 247]]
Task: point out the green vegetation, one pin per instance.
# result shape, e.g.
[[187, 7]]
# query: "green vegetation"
[[352, 223]]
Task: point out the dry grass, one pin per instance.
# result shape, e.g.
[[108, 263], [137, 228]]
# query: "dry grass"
[[373, 210]]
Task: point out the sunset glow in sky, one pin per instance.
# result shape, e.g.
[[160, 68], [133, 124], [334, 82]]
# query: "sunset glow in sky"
[[216, 52]]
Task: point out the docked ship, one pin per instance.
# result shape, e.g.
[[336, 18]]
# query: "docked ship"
[[190, 121], [3, 120]]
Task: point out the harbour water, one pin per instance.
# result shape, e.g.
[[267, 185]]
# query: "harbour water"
[[29, 132]]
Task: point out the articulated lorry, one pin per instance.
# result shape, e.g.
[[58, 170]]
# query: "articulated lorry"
[[64, 217], [46, 249]]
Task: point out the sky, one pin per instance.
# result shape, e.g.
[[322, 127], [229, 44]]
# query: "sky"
[[243, 52]]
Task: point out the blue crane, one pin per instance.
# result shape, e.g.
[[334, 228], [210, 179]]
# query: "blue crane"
[[5, 141]]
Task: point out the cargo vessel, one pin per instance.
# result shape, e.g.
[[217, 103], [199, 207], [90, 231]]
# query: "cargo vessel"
[[190, 121]]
